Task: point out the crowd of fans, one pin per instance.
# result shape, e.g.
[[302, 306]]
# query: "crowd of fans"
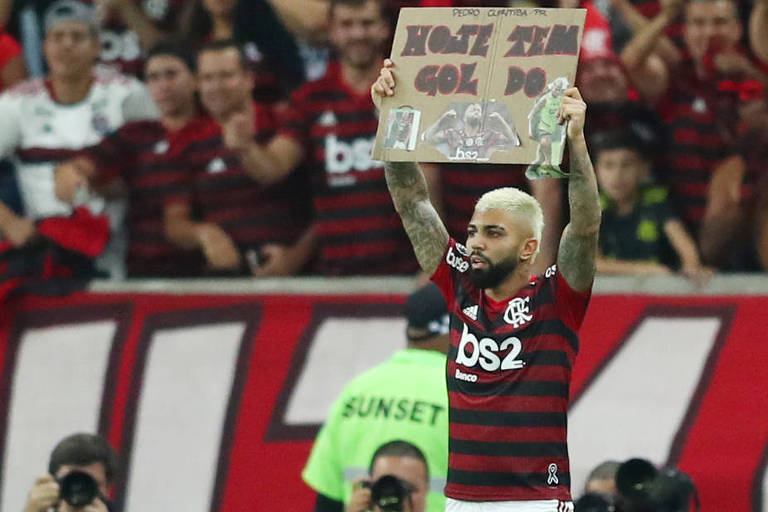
[[183, 138]]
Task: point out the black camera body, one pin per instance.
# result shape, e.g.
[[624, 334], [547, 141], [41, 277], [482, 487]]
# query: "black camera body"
[[78, 488], [389, 493], [643, 488]]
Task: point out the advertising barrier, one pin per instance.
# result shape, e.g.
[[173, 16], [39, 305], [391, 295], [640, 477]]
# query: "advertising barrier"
[[213, 399]]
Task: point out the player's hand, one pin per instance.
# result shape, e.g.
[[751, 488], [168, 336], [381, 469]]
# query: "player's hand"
[[44, 494], [219, 249], [72, 176], [279, 260], [239, 129], [360, 501], [384, 84], [573, 110], [19, 230]]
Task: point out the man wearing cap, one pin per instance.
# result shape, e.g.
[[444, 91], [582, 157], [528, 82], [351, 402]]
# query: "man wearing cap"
[[45, 121], [403, 398]]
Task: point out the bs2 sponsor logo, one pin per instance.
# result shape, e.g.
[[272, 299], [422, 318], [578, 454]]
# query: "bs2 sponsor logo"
[[487, 352], [456, 261], [342, 157]]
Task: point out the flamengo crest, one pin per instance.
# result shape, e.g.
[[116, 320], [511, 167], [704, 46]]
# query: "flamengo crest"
[[517, 312]]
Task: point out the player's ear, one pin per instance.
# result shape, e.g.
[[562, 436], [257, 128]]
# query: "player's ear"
[[528, 250]]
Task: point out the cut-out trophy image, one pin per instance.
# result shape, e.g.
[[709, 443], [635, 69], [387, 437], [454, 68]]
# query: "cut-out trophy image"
[[544, 129], [472, 131]]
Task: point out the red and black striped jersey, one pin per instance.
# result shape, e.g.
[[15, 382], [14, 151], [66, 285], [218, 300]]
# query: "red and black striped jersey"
[[223, 193], [146, 157], [508, 375], [462, 185], [358, 230], [696, 145]]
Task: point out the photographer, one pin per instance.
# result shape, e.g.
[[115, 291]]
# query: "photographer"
[[399, 481], [80, 471]]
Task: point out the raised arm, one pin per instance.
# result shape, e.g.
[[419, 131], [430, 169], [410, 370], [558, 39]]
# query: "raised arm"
[[409, 192], [428, 235], [578, 245]]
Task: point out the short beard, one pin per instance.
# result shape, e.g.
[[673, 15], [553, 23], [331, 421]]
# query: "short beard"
[[494, 274]]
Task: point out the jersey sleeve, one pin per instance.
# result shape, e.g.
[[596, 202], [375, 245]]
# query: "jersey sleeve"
[[453, 265], [571, 304], [324, 472]]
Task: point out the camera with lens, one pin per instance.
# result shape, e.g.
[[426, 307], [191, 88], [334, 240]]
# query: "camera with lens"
[[389, 493], [78, 489], [643, 488]]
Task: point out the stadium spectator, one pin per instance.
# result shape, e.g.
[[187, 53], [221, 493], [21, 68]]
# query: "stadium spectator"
[[402, 398], [639, 233], [405, 462], [127, 29], [87, 453], [130, 28], [688, 97], [45, 122], [242, 227], [733, 228], [332, 124], [145, 156], [271, 52]]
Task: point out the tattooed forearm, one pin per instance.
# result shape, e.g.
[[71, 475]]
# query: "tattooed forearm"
[[428, 235], [578, 245]]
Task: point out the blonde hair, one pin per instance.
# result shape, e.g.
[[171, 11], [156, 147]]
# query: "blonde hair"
[[516, 201]]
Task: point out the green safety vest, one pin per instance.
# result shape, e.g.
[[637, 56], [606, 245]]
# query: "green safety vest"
[[402, 398]]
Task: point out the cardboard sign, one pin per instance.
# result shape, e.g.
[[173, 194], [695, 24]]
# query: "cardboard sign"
[[479, 85]]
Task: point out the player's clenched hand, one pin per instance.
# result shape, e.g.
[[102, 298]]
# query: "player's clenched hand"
[[44, 494], [573, 110], [384, 84]]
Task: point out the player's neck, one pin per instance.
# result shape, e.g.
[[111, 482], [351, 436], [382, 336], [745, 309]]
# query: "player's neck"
[[70, 90], [359, 79], [511, 285]]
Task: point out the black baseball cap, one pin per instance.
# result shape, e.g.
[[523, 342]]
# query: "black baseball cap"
[[426, 313]]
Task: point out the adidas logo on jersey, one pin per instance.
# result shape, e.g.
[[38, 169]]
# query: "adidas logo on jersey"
[[471, 311], [216, 165], [161, 147], [327, 118]]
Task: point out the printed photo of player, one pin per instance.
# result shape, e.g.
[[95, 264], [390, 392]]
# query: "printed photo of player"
[[402, 128], [544, 129], [510, 330], [472, 131]]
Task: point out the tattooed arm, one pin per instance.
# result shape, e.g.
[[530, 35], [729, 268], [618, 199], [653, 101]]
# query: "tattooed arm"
[[409, 192], [422, 223], [578, 245]]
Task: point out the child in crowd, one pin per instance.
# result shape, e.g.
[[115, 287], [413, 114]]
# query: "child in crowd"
[[639, 233]]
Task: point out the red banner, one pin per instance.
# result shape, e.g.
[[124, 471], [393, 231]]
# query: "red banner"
[[213, 400]]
